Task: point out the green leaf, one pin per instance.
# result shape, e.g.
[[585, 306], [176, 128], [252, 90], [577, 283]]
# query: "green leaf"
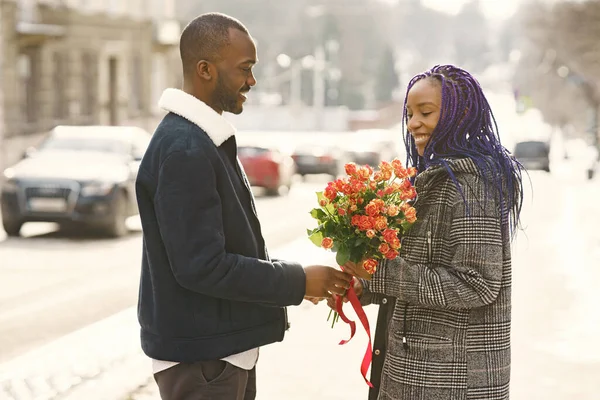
[[320, 197], [316, 238], [342, 256], [406, 225], [330, 208], [318, 214]]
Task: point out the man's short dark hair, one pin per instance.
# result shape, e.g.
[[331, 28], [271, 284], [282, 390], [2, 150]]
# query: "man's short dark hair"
[[204, 37]]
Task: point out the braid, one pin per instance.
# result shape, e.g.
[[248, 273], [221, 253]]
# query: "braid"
[[467, 128]]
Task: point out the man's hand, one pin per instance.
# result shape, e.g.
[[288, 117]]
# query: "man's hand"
[[358, 289], [314, 300], [323, 281]]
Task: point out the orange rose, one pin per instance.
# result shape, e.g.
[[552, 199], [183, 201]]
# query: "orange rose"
[[389, 235], [381, 223], [412, 172], [372, 210], [341, 211], [365, 172], [355, 220], [323, 202], [384, 248], [395, 243], [327, 243], [411, 215], [339, 184], [379, 203], [353, 207], [330, 192], [351, 169], [396, 163], [393, 210], [390, 255], [370, 265], [370, 233], [378, 177], [409, 194], [366, 223], [385, 166], [401, 172]]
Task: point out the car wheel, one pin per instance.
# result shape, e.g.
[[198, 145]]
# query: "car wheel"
[[118, 223], [272, 191], [12, 228]]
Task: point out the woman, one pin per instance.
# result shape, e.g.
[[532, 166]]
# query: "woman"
[[444, 324]]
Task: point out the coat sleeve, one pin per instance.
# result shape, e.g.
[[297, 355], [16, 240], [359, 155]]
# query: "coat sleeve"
[[188, 209], [471, 275], [367, 296]]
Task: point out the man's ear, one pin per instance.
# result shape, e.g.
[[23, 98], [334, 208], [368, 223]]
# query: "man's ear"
[[204, 70]]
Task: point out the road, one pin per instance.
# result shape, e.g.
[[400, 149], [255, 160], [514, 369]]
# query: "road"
[[52, 285]]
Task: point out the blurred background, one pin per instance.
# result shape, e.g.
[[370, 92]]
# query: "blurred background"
[[79, 86]]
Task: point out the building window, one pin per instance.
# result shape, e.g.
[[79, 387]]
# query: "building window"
[[136, 79], [60, 86], [88, 84], [28, 70]]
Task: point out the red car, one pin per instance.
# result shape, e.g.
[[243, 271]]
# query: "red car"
[[267, 168]]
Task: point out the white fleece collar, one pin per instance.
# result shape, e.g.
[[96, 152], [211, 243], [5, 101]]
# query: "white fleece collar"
[[196, 111]]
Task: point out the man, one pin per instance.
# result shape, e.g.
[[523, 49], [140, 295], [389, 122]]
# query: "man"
[[209, 294]]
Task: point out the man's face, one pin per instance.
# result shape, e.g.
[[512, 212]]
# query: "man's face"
[[234, 73]]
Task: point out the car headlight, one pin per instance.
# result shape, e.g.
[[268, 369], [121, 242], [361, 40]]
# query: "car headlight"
[[97, 188]]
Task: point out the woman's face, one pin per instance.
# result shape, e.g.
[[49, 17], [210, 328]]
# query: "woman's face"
[[423, 106]]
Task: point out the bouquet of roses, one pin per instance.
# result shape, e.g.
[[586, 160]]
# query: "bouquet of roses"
[[362, 216]]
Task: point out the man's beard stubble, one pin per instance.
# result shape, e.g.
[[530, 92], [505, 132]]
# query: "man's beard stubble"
[[225, 100]]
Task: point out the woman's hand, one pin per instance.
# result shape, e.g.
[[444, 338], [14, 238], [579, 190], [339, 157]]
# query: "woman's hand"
[[358, 289], [356, 270]]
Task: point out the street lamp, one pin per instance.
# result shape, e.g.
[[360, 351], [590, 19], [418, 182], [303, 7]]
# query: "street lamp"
[[296, 66]]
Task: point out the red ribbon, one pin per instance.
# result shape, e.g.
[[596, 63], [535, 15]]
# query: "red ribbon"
[[360, 312]]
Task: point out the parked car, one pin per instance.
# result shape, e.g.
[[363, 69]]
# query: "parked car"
[[371, 146], [320, 159], [533, 154], [266, 167], [83, 175]]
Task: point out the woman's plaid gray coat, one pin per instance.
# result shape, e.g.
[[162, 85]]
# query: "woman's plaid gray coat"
[[448, 334]]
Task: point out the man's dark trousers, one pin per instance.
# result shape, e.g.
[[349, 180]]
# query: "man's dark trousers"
[[206, 380]]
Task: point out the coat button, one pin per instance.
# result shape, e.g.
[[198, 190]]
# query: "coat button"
[[384, 301], [377, 352]]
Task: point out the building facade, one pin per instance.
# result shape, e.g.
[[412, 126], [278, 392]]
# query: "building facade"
[[85, 61]]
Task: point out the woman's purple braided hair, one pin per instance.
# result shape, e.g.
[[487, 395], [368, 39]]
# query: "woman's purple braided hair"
[[467, 128]]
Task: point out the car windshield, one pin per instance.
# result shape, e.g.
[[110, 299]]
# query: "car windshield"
[[85, 144], [531, 149], [247, 151]]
